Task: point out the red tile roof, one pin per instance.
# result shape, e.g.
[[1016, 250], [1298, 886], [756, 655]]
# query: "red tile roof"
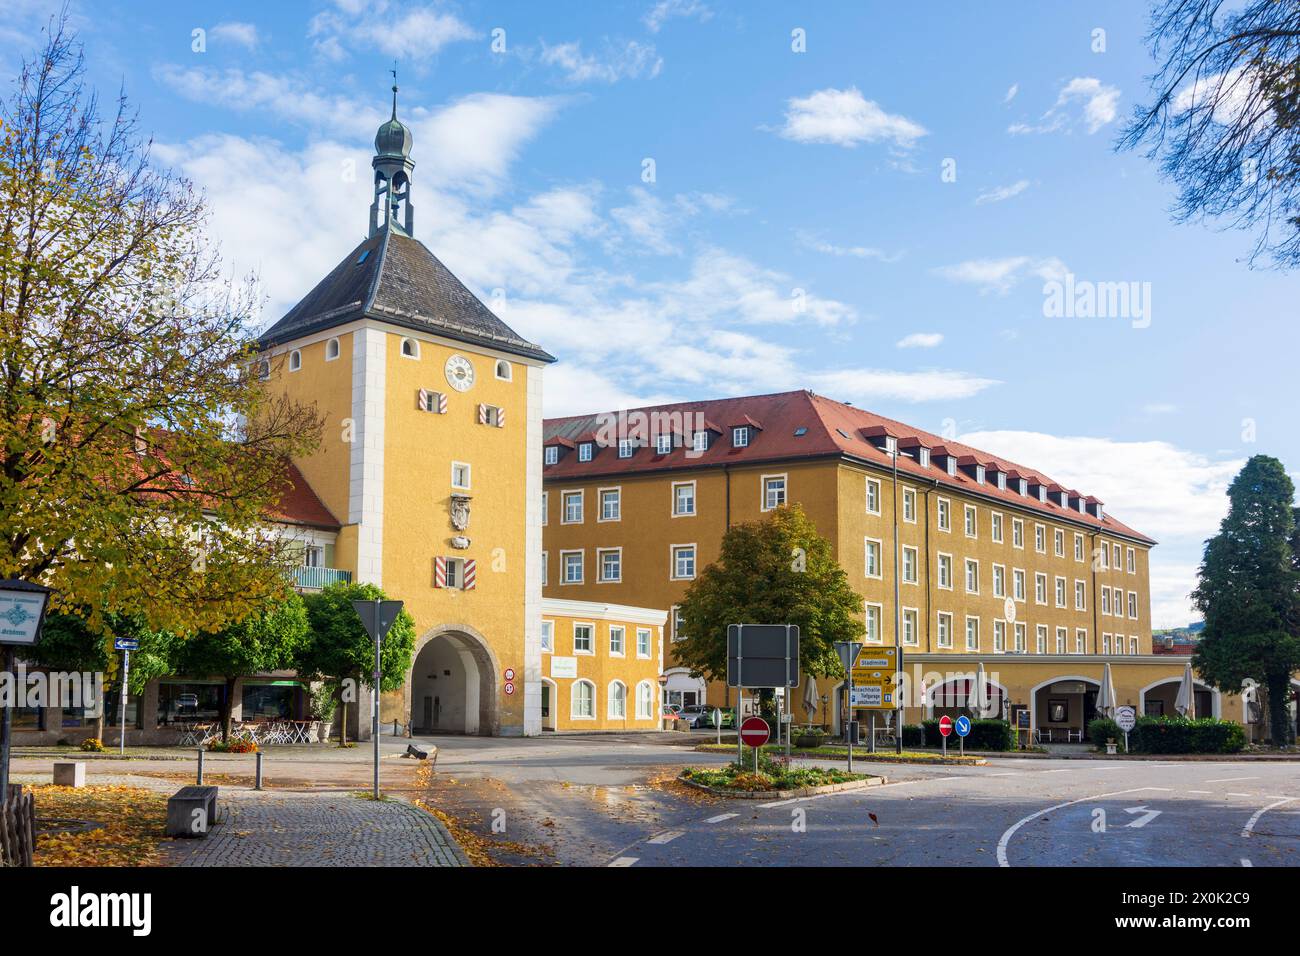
[[299, 504], [831, 429]]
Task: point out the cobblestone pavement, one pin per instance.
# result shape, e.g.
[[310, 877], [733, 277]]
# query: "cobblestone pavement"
[[269, 829]]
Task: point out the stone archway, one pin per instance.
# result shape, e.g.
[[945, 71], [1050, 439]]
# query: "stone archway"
[[452, 686]]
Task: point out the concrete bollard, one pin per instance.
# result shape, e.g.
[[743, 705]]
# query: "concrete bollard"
[[71, 773], [257, 782], [199, 780]]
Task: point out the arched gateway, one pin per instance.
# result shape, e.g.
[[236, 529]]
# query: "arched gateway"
[[452, 688]]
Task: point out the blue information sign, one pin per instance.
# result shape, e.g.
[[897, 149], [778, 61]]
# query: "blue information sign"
[[126, 644], [962, 725]]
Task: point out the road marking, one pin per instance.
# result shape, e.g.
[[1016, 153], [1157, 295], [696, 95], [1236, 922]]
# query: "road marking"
[[625, 861], [1104, 769], [1011, 830], [720, 817], [1250, 825], [1230, 779], [1062, 770], [667, 837], [1200, 791], [1231, 794], [1147, 816], [1011, 773]]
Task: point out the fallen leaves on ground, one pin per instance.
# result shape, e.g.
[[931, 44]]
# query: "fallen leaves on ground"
[[131, 833]]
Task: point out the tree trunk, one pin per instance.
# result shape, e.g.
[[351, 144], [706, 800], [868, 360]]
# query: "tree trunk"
[[228, 708], [1279, 693]]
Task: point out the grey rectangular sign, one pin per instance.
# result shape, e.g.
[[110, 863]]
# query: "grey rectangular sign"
[[763, 655]]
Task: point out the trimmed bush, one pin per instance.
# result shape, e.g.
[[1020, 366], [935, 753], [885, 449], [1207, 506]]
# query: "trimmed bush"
[[985, 734], [1178, 735], [913, 735], [1101, 729]]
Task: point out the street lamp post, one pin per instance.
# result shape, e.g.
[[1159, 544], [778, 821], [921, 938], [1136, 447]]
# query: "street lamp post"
[[22, 613], [898, 611]]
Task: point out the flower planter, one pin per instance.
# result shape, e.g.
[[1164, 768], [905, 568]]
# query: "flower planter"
[[809, 742]]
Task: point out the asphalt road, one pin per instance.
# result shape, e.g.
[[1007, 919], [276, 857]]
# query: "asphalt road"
[[602, 800]]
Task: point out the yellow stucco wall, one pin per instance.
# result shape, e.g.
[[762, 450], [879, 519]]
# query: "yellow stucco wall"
[[601, 667]]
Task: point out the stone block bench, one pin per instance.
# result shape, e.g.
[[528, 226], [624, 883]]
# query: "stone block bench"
[[191, 811]]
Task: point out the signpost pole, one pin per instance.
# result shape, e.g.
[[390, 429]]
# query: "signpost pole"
[[1126, 741], [374, 701], [871, 744], [6, 729], [787, 708], [126, 689]]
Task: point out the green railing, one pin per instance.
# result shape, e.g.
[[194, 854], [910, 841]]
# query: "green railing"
[[317, 578]]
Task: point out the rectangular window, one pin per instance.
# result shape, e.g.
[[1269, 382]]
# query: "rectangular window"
[[1060, 592], [1059, 542], [740, 436], [1021, 638], [611, 504], [972, 576], [909, 626], [773, 491], [663, 444], [971, 529], [616, 634], [679, 624], [945, 571], [625, 448], [1132, 645], [909, 505], [1061, 634], [1078, 547], [551, 454], [493, 415], [610, 562], [572, 512], [1115, 564], [1040, 588], [571, 565], [873, 558], [1105, 600], [944, 511], [972, 634], [944, 632], [1130, 561], [999, 581], [1018, 584], [584, 451], [909, 566], [460, 476], [584, 640], [873, 623], [997, 527], [683, 562], [1081, 640], [643, 642], [546, 506], [1041, 640], [1080, 596], [1133, 604], [545, 562], [683, 498], [873, 497], [1017, 533], [1040, 539], [700, 441], [1103, 557], [548, 636], [1105, 643], [999, 637]]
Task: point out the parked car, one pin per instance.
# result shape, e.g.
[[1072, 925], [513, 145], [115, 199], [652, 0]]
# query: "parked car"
[[702, 717]]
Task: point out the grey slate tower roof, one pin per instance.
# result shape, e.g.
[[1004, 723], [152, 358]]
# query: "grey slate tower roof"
[[396, 279], [393, 278]]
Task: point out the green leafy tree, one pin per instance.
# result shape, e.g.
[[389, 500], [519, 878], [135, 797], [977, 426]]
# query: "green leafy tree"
[[139, 451], [1249, 591], [342, 654], [68, 643], [268, 640], [775, 571]]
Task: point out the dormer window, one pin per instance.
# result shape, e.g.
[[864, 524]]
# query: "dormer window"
[[952, 466], [331, 350], [1065, 499], [1024, 486], [1042, 493], [625, 448], [1096, 510], [979, 474], [295, 360], [1083, 507], [740, 436], [923, 457], [700, 441], [1002, 481], [891, 445], [552, 454], [585, 451], [663, 444]]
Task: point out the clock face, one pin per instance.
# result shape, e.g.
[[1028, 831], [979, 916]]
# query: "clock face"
[[460, 373]]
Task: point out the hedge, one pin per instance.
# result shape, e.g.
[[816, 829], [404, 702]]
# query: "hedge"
[[984, 735], [913, 735], [1172, 735]]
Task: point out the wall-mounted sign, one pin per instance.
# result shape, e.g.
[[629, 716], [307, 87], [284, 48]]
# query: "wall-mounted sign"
[[564, 666]]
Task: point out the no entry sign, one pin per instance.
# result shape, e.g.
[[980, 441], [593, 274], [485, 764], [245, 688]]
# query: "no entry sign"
[[754, 732], [945, 725]]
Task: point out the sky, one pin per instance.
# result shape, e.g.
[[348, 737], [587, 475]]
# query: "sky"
[[690, 199]]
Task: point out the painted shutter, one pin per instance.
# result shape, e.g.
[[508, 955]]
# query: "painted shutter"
[[422, 399], [442, 402], [439, 572], [469, 575], [482, 414], [501, 418]]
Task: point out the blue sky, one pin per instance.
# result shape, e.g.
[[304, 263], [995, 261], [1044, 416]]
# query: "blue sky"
[[802, 227]]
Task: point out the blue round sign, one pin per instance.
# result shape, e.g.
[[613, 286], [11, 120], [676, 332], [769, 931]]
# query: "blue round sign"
[[962, 725]]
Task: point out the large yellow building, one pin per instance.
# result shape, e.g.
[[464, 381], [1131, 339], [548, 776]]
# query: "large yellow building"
[[999, 565]]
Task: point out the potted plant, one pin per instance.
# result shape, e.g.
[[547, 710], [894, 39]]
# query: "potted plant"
[[1110, 745], [809, 737], [322, 703]]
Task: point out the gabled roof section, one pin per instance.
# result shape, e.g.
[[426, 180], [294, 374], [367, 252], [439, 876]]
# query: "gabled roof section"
[[300, 505], [396, 279]]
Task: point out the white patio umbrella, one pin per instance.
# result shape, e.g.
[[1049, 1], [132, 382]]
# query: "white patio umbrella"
[[809, 697], [1106, 694], [978, 700], [1185, 704]]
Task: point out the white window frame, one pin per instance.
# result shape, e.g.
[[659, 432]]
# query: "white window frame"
[[999, 580], [972, 563], [1080, 595], [694, 492], [879, 608], [911, 614], [672, 562], [996, 529], [574, 713], [971, 522], [1018, 533], [414, 354], [468, 484], [1018, 585], [591, 643], [1130, 560], [600, 566], [1079, 550], [909, 505], [975, 645], [942, 560], [1040, 639], [1132, 644], [1040, 538], [663, 444], [295, 360], [564, 566], [1061, 595], [548, 637], [333, 345], [943, 514], [1133, 605], [1020, 637], [866, 557], [564, 505], [873, 491], [915, 576], [999, 636], [766, 498], [644, 632], [942, 618], [550, 454], [621, 630], [586, 450], [700, 441], [626, 447], [618, 503], [645, 700], [1062, 639], [1058, 542], [613, 698], [740, 436], [546, 507], [1081, 640], [1040, 588]]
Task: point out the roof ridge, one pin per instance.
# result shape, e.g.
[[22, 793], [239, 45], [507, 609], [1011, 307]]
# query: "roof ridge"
[[369, 300]]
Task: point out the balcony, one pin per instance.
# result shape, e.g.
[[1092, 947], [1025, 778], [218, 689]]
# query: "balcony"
[[313, 579]]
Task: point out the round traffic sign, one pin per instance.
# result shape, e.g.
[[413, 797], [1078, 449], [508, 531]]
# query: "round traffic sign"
[[510, 687], [510, 673], [1125, 718], [962, 725], [945, 725], [754, 732]]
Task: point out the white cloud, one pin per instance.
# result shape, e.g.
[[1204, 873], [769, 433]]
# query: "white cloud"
[[1173, 495], [1097, 104], [1000, 275], [630, 61], [244, 34], [396, 30], [846, 118], [1011, 93], [809, 241], [920, 340], [868, 385], [471, 143], [1000, 193], [666, 10]]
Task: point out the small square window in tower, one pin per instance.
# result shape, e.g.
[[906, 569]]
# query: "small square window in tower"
[[427, 400], [493, 415]]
